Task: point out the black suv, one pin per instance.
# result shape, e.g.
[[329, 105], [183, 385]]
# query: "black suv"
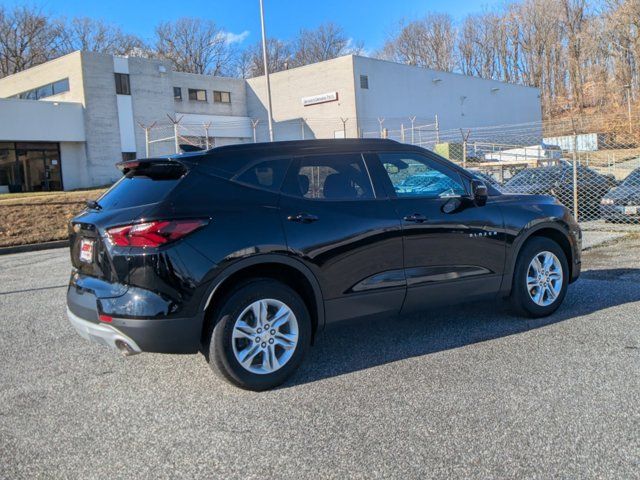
[[246, 252]]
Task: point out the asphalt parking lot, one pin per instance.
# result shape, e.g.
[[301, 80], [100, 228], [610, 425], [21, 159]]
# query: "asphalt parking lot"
[[466, 392]]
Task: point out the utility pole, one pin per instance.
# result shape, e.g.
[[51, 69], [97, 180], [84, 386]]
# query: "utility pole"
[[266, 71]]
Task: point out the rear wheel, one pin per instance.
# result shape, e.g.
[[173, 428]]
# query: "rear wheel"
[[540, 279], [261, 335]]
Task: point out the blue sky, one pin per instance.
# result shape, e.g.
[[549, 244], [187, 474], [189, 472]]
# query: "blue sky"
[[366, 20]]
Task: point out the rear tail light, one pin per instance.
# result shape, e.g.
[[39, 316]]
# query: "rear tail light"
[[153, 234]]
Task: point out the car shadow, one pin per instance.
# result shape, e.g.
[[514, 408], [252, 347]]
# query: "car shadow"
[[353, 346]]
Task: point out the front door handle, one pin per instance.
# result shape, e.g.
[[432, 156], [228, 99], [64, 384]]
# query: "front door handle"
[[416, 218], [303, 218]]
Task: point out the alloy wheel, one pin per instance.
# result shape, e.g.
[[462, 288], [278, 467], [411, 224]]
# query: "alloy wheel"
[[265, 336], [544, 278]]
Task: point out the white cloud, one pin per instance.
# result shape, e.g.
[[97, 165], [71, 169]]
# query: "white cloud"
[[231, 37]]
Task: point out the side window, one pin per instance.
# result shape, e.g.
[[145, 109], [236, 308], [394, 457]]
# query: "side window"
[[268, 174], [416, 176], [329, 177]]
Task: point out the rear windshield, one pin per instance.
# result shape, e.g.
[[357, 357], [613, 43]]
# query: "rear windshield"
[[133, 190]]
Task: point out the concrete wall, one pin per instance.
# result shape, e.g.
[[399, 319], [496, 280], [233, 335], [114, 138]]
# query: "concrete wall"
[[237, 107], [34, 121], [152, 83], [67, 66], [398, 91], [101, 118], [73, 160], [287, 90]]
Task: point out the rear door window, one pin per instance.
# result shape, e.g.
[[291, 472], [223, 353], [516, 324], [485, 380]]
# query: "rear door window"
[[267, 174], [329, 177]]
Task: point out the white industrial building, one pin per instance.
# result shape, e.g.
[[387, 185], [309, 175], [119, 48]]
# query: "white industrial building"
[[64, 124]]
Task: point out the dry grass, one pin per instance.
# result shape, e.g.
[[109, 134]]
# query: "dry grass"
[[39, 217]]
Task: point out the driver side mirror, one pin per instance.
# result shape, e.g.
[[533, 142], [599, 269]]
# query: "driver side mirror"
[[480, 192]]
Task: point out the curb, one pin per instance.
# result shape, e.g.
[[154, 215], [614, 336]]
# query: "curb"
[[34, 247]]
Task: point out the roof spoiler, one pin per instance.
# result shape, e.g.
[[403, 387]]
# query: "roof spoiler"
[[146, 163]]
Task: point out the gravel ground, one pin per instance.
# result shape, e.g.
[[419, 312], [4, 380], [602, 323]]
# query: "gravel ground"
[[466, 392]]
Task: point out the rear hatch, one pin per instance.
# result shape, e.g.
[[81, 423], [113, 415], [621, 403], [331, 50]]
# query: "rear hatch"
[[141, 191]]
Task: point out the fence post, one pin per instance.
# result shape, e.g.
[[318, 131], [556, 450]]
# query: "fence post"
[[465, 137], [344, 126], [254, 124], [381, 121], [437, 130], [575, 171], [147, 139], [176, 133], [412, 120], [206, 134]]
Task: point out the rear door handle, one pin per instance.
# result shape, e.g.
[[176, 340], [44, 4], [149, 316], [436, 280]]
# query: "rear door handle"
[[303, 218], [416, 218]]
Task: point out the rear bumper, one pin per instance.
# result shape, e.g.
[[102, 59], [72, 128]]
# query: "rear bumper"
[[103, 334], [158, 334]]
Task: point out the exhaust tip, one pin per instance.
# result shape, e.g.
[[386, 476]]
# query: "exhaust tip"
[[124, 348]]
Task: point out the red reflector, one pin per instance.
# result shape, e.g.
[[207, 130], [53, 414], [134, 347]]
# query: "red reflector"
[[153, 234], [105, 318]]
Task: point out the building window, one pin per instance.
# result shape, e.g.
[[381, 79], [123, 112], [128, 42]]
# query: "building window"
[[126, 156], [30, 167], [197, 95], [364, 82], [122, 84], [177, 94], [221, 97], [44, 91]]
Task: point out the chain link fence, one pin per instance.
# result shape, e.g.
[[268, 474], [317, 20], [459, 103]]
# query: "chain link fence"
[[591, 163]]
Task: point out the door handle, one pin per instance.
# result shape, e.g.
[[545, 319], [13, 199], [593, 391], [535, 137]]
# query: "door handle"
[[416, 218], [303, 218]]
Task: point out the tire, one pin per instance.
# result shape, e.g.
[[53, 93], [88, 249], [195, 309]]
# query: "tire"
[[523, 298], [236, 331]]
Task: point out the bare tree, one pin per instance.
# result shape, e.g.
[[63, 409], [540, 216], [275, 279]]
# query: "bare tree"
[[27, 38], [278, 51], [194, 45], [429, 42], [622, 32], [574, 21], [324, 43], [87, 34]]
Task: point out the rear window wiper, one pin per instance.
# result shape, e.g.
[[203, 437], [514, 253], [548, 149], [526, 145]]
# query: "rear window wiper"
[[92, 204]]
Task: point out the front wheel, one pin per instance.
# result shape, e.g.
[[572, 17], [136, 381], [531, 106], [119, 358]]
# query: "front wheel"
[[540, 279], [262, 333]]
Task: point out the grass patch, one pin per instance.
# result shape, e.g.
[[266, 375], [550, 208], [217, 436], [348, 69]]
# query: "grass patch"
[[40, 216]]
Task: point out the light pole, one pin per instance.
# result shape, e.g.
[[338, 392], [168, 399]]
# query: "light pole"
[[266, 71], [628, 87]]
